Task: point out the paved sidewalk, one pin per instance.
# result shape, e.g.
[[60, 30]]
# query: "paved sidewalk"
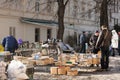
[[112, 74]]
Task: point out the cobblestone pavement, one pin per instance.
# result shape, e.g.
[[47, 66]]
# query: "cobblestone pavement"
[[112, 74]]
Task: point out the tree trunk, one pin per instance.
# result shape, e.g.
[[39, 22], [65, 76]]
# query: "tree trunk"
[[60, 22], [61, 11], [104, 13]]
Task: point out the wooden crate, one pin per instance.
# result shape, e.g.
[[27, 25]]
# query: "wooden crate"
[[90, 61], [96, 61], [41, 62], [99, 54], [54, 70], [59, 63], [51, 60], [62, 70], [72, 72], [73, 61], [67, 68]]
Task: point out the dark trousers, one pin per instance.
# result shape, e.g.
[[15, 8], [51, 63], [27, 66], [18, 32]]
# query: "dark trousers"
[[104, 58], [113, 51], [83, 48], [119, 47]]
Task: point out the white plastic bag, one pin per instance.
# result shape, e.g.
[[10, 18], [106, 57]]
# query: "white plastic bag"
[[16, 70]]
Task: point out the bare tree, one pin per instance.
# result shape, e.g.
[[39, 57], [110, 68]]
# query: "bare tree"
[[103, 11], [61, 10]]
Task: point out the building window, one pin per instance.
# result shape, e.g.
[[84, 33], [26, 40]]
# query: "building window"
[[49, 33], [37, 34], [37, 6], [12, 31]]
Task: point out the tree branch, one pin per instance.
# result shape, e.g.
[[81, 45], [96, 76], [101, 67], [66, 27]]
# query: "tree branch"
[[108, 1], [44, 3], [97, 1], [66, 2]]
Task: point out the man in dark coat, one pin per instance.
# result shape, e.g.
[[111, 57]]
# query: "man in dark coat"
[[93, 41], [10, 44], [104, 41]]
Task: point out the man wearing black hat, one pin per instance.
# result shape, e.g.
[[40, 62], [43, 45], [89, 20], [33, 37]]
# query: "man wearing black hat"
[[103, 42]]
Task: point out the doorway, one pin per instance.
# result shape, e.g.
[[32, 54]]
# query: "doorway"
[[37, 34], [49, 33]]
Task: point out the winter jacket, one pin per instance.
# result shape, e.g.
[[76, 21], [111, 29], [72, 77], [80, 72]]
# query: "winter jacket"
[[92, 43], [114, 40], [10, 42], [104, 39], [82, 39], [93, 40]]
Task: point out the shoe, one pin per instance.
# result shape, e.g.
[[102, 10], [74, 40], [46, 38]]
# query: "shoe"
[[92, 65], [113, 55], [97, 65], [101, 70], [107, 69]]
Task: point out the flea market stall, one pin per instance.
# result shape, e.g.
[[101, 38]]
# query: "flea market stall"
[[51, 58]]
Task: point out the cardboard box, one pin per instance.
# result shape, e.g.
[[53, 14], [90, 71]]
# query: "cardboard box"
[[90, 61], [72, 72], [20, 58], [28, 62], [99, 54], [64, 57], [41, 62], [64, 62], [60, 58], [69, 65], [54, 70], [51, 60], [59, 63], [62, 70], [67, 69], [33, 62], [96, 60], [75, 57], [73, 61]]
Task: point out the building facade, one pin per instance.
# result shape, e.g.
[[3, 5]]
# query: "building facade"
[[114, 13], [36, 20]]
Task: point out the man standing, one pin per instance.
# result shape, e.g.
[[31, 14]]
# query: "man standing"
[[82, 42], [10, 44], [103, 42]]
